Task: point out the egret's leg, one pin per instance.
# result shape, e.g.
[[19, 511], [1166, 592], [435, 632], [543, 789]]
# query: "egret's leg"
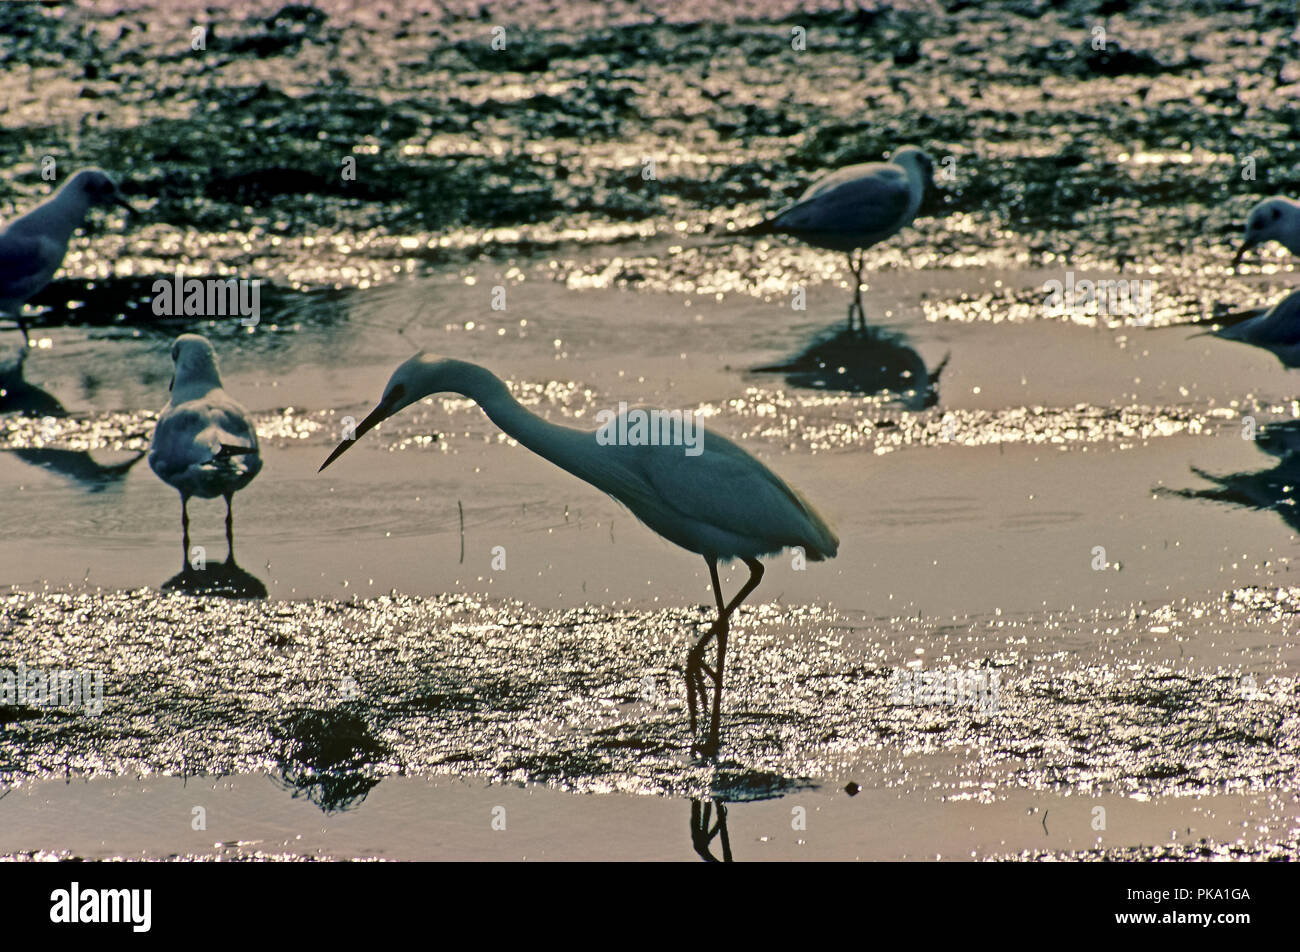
[[695, 665], [724, 626], [185, 533], [719, 630], [230, 533]]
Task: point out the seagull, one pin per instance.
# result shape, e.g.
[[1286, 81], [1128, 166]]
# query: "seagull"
[[32, 247], [1273, 218], [855, 207], [722, 503], [1276, 330], [204, 444]]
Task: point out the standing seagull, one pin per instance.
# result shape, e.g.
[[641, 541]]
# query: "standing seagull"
[[203, 444], [856, 207], [721, 503], [32, 247], [1273, 218]]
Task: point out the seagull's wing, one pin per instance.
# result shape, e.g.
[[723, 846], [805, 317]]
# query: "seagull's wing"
[[726, 491], [1280, 325], [202, 435], [858, 200], [24, 265]]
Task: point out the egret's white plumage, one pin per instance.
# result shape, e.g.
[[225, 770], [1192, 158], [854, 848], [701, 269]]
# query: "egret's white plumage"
[[858, 206], [32, 246], [1273, 219], [203, 444], [722, 504], [1276, 330]]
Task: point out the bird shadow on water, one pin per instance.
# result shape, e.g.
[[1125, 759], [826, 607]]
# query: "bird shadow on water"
[[19, 397], [222, 579], [1276, 488], [863, 360], [326, 756]]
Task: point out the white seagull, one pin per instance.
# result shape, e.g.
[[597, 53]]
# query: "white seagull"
[[32, 247], [722, 503], [855, 207], [204, 444], [1273, 218], [1276, 330]]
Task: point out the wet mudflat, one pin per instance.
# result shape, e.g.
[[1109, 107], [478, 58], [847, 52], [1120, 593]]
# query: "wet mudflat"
[[972, 449]]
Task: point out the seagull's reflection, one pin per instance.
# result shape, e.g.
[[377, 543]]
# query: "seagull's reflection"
[[19, 396], [868, 360], [222, 579], [1277, 488], [704, 830], [327, 756]]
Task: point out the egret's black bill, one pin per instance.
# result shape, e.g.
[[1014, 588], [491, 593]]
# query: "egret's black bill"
[[377, 415]]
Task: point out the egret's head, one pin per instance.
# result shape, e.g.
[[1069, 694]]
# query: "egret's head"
[[421, 376], [1271, 219], [97, 188], [917, 164], [193, 361]]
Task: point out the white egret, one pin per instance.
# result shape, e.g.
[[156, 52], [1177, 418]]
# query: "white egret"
[[32, 246], [204, 444], [856, 207], [722, 503], [1272, 219]]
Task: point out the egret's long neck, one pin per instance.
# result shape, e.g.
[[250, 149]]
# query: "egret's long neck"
[[57, 217], [562, 445]]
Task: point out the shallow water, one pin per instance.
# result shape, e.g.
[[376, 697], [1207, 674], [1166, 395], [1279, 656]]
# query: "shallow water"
[[973, 450]]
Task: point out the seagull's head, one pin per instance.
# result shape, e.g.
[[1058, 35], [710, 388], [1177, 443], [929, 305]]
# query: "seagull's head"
[[193, 361], [421, 376], [1273, 218], [96, 187], [917, 163]]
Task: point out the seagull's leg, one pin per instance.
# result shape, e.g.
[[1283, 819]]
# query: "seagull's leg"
[[230, 534], [22, 326], [185, 533], [855, 266]]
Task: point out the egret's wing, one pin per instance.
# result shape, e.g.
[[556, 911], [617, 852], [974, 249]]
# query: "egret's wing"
[[726, 488], [24, 265], [851, 202]]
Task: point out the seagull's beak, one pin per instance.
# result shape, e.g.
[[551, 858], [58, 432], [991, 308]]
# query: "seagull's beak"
[[378, 415], [121, 202], [1245, 246], [171, 384]]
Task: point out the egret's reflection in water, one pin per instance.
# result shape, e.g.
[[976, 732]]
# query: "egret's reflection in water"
[[705, 829]]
